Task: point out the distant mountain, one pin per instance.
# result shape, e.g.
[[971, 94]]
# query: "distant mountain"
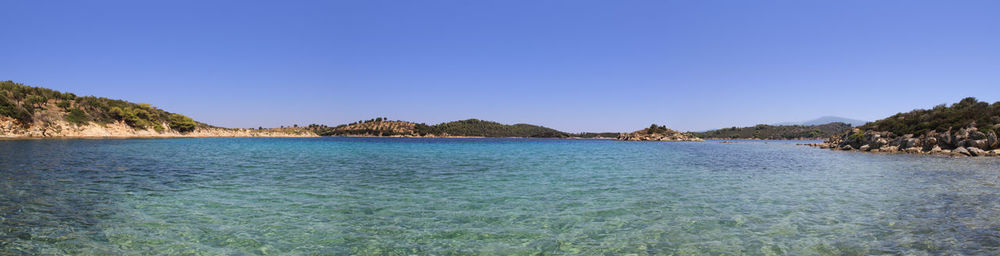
[[827, 120]]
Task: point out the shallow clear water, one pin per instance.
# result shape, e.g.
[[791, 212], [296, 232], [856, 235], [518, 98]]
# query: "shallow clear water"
[[392, 196]]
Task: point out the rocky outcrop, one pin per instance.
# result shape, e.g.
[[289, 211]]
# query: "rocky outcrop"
[[968, 141], [10, 128], [658, 133]]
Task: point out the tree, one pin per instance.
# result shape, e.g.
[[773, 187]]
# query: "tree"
[[35, 101], [181, 123]]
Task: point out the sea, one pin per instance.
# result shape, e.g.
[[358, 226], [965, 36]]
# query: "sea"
[[474, 196]]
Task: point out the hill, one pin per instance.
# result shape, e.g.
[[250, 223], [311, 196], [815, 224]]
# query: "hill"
[[27, 111], [827, 120], [464, 128], [480, 128], [965, 128], [658, 133], [778, 132]]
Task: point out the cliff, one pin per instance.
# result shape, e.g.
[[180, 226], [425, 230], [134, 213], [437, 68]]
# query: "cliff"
[[658, 133]]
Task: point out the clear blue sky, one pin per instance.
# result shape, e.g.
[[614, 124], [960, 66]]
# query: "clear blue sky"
[[570, 65]]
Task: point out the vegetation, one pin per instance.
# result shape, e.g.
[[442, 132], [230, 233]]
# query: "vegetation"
[[594, 135], [471, 127], [777, 132], [182, 123], [941, 118], [476, 127], [29, 105], [653, 128], [77, 117]]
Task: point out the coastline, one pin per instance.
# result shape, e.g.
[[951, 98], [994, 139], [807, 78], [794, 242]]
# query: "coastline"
[[10, 130]]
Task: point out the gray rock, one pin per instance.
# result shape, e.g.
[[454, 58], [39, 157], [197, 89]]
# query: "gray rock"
[[930, 141], [865, 147], [977, 135], [991, 139], [936, 149], [912, 150], [962, 143], [974, 151], [983, 143], [910, 143], [847, 147], [961, 150], [878, 143], [890, 149]]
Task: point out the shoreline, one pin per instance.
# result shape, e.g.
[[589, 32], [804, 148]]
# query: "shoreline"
[[958, 152]]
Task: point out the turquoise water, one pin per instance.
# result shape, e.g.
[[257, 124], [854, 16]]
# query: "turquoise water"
[[400, 196]]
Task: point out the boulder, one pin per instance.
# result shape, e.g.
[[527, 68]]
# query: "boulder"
[[977, 135], [944, 139], [991, 139], [912, 150], [961, 134], [880, 142], [846, 147], [890, 149], [983, 143], [962, 143], [935, 149], [961, 150], [974, 151], [930, 142], [910, 143], [865, 147]]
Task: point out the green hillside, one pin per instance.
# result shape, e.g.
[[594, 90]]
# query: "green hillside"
[[777, 132], [941, 118], [472, 128], [35, 105], [476, 127]]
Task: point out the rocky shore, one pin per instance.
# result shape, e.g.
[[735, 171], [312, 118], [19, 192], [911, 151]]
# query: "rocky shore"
[[967, 141], [10, 129]]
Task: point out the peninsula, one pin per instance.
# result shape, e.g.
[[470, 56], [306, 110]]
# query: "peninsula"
[[966, 128], [35, 112]]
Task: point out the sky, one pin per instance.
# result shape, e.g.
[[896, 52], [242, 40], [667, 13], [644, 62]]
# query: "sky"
[[570, 65]]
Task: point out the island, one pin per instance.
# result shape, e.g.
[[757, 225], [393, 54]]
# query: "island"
[[658, 133]]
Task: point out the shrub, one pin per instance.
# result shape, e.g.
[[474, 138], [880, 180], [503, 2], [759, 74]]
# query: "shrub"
[[64, 105], [77, 117]]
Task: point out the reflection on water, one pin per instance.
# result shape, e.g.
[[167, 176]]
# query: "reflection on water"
[[487, 196]]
